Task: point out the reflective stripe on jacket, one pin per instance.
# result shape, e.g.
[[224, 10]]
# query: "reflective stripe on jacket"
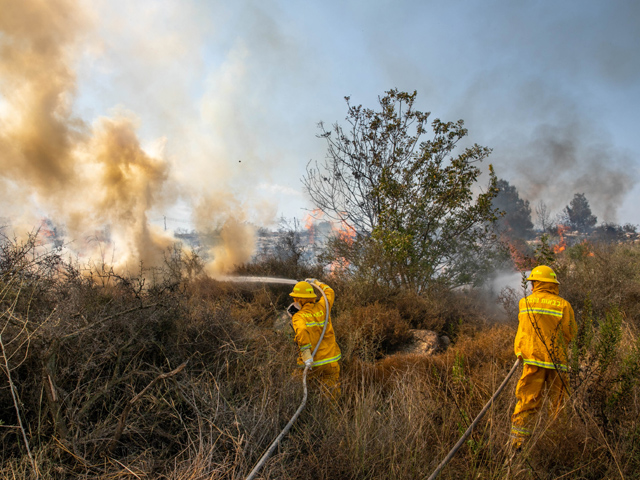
[[546, 326], [308, 324]]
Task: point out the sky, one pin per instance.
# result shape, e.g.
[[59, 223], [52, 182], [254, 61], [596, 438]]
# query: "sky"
[[210, 110]]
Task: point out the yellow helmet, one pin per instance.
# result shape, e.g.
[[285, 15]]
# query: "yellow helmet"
[[542, 273], [303, 290]]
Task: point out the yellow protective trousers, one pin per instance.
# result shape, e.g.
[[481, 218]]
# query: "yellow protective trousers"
[[530, 397], [327, 377]]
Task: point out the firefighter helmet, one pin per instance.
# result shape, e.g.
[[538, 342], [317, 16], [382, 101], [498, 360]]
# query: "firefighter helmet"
[[303, 290], [542, 273]]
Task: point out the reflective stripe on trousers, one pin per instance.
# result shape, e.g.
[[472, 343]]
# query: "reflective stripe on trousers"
[[543, 364]]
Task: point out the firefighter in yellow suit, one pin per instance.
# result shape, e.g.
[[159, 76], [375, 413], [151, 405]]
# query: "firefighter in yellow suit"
[[308, 323], [546, 326]]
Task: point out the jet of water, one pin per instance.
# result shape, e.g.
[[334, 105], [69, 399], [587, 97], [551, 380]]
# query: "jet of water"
[[285, 281]]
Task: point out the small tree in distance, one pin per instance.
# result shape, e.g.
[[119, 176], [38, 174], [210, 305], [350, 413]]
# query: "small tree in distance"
[[516, 221], [409, 200], [579, 214]]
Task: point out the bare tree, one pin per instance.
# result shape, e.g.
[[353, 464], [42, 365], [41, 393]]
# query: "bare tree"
[[544, 215]]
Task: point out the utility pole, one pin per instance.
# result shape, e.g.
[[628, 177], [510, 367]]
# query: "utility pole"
[[165, 223]]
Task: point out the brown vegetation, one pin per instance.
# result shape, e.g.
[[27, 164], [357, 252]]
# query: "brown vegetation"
[[172, 375]]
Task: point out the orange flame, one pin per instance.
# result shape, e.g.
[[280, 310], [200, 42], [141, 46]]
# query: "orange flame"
[[588, 252], [342, 230], [309, 223], [520, 260], [338, 265], [310, 218], [345, 232], [562, 244], [45, 233]]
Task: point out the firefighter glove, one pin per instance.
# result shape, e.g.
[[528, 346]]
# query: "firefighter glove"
[[307, 358]]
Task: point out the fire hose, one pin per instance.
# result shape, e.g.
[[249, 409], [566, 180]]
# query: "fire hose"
[[288, 426], [466, 434]]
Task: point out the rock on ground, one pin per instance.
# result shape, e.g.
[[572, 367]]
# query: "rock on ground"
[[425, 342]]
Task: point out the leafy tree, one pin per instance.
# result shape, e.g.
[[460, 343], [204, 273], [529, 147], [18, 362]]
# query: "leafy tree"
[[516, 221], [579, 214], [409, 200]]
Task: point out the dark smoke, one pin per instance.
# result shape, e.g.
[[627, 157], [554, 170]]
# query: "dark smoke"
[[561, 160]]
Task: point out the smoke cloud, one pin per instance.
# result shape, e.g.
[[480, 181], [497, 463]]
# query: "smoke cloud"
[[94, 179], [550, 89], [38, 133], [556, 148], [222, 212], [561, 160], [552, 147]]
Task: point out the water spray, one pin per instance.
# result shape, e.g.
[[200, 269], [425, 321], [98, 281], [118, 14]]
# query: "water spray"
[[282, 281], [288, 426]]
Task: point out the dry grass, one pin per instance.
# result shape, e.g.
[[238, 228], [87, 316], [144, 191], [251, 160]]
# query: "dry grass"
[[82, 349]]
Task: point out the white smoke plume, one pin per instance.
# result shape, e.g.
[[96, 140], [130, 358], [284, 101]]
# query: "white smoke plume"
[[91, 176]]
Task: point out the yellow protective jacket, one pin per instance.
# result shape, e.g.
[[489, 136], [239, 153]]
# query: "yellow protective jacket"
[[308, 324], [546, 326]]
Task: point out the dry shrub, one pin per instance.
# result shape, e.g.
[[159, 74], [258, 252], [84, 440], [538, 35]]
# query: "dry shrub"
[[350, 293], [493, 343], [399, 417], [508, 299], [441, 309], [368, 332], [438, 309], [424, 404], [380, 374], [257, 306], [608, 275], [430, 311], [81, 348], [473, 352], [206, 289]]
